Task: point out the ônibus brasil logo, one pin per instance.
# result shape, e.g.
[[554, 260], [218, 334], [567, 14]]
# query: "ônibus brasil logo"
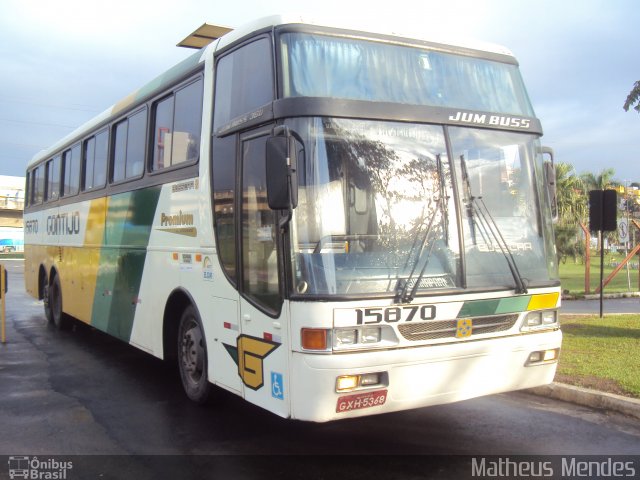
[[38, 469]]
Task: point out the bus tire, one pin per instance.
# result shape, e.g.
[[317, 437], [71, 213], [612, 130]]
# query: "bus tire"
[[60, 319], [192, 356], [44, 288]]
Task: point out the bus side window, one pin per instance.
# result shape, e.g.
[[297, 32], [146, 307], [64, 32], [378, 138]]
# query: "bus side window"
[[244, 81], [71, 171], [89, 159], [38, 185], [53, 179], [101, 156], [177, 123], [95, 161], [129, 146], [27, 190]]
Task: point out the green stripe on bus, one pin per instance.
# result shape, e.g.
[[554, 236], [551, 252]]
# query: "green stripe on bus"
[[124, 251], [513, 304], [494, 306]]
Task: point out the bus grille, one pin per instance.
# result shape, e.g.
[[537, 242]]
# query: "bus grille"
[[432, 330]]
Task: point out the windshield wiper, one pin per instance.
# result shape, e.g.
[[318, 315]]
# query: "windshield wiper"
[[403, 295], [479, 215]]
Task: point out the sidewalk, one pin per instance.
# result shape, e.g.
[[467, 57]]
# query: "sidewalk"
[[590, 398]]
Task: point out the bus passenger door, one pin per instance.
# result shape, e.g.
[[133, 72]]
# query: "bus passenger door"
[[263, 344]]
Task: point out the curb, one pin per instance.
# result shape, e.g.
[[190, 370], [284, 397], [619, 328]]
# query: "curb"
[[569, 297], [589, 398]]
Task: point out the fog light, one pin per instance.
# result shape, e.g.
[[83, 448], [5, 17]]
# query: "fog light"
[[371, 335], [346, 337], [535, 357], [346, 383], [369, 379], [543, 356]]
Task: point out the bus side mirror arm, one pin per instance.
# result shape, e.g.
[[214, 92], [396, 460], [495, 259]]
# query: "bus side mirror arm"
[[550, 181]]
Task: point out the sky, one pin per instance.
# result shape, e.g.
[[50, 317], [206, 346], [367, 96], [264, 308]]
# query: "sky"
[[64, 61]]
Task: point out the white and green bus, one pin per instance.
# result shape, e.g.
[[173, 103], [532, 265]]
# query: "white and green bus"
[[325, 221]]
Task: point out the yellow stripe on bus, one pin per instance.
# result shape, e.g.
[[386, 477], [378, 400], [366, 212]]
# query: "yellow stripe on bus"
[[82, 265], [543, 300]]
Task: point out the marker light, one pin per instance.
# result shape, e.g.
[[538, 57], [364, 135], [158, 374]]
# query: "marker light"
[[314, 338]]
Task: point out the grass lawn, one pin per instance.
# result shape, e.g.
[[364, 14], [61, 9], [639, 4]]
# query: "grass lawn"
[[572, 275], [601, 353]]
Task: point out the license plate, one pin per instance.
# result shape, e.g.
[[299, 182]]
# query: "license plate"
[[361, 400]]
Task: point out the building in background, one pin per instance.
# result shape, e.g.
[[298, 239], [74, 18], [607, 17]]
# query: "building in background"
[[11, 207]]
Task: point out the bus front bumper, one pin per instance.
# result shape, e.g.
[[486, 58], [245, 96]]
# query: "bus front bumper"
[[417, 377]]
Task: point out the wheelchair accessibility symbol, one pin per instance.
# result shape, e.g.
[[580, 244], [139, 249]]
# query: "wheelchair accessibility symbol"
[[277, 386]]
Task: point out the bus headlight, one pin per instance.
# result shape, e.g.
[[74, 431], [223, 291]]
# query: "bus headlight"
[[358, 338], [371, 335], [540, 320], [345, 337]]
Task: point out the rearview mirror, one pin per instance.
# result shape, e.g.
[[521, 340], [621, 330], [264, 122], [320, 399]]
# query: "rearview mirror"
[[550, 182], [282, 184]]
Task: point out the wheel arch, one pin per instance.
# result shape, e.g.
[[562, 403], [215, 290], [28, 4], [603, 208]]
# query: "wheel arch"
[[178, 300]]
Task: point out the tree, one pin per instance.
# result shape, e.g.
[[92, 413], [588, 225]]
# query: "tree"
[[598, 181], [572, 210], [633, 99], [571, 197]]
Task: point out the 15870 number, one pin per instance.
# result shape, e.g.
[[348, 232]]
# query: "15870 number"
[[368, 316]]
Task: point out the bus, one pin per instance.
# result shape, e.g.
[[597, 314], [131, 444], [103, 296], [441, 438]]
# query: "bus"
[[326, 221]]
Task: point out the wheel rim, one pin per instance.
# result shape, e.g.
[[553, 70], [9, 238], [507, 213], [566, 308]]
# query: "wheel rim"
[[192, 352]]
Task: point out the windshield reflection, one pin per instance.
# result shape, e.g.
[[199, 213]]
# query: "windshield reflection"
[[377, 214], [368, 192], [501, 180]]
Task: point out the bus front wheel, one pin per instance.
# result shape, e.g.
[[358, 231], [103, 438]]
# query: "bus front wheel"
[[192, 356]]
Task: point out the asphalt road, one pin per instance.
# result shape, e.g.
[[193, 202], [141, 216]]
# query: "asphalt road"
[[609, 305], [85, 393]]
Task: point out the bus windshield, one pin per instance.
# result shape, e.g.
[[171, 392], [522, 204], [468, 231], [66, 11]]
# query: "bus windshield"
[[354, 69], [383, 209]]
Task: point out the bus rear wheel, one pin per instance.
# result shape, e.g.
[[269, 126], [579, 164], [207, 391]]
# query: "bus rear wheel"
[[44, 288], [59, 318], [192, 356]]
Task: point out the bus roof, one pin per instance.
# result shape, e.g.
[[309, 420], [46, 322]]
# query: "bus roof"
[[357, 25], [226, 39]]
